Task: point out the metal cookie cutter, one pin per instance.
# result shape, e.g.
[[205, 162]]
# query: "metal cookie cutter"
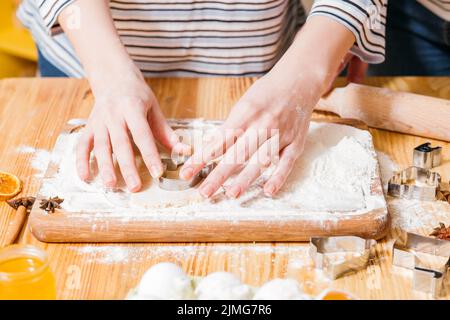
[[427, 157], [414, 183], [170, 179], [321, 248], [406, 254]]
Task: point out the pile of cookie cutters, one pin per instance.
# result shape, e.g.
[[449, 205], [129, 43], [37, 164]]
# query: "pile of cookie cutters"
[[322, 249], [418, 182], [414, 252], [428, 258], [170, 179]]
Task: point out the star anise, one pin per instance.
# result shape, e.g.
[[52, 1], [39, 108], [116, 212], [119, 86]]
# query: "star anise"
[[442, 232], [51, 204], [26, 202]]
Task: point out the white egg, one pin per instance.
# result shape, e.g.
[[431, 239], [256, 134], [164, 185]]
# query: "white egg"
[[165, 281], [280, 289], [222, 286]]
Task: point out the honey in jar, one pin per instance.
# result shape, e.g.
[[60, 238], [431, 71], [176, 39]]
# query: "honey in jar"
[[25, 274]]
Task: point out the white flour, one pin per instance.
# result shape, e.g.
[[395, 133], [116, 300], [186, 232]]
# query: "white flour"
[[411, 215], [387, 168], [333, 175], [406, 214], [108, 254], [76, 122], [39, 162]]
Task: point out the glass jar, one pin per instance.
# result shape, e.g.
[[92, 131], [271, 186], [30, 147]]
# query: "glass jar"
[[25, 274]]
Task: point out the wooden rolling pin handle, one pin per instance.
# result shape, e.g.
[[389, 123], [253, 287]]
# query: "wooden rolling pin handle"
[[390, 110], [332, 102]]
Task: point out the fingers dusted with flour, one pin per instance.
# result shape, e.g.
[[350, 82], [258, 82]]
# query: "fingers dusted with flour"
[[103, 154], [143, 137], [236, 155], [84, 148], [164, 134], [258, 163], [214, 145], [123, 150], [284, 167]]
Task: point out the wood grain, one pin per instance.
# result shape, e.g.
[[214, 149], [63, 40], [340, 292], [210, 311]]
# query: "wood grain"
[[65, 226], [390, 110], [15, 226], [33, 112]]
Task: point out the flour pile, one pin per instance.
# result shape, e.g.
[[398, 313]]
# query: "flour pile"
[[336, 179], [335, 174]]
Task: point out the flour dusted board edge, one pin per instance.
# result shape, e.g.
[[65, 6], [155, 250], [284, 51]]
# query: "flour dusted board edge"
[[74, 227]]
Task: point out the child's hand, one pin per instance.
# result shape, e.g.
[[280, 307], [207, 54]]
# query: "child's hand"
[[267, 122], [124, 112]]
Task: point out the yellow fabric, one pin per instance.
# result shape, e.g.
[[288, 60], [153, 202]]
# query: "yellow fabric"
[[17, 48]]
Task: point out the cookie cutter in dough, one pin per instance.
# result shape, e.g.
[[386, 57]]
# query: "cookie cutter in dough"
[[170, 179], [427, 157], [411, 250], [321, 249], [190, 123], [414, 183]]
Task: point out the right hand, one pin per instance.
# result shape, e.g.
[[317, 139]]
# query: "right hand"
[[125, 110]]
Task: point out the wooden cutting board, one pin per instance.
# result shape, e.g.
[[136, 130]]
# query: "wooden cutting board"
[[63, 226]]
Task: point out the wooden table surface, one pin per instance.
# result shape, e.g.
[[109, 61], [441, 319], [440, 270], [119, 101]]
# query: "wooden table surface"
[[33, 112]]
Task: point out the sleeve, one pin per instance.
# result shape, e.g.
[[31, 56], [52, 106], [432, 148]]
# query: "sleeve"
[[366, 19], [50, 10]]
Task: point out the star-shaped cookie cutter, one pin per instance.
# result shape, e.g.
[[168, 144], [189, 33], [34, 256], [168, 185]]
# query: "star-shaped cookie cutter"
[[410, 251], [322, 247], [414, 183]]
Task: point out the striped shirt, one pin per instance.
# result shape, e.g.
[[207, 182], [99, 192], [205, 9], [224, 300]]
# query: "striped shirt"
[[212, 37]]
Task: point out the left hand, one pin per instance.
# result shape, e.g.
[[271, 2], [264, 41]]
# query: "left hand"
[[267, 122]]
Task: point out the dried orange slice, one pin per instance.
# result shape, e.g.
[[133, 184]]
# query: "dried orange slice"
[[10, 185]]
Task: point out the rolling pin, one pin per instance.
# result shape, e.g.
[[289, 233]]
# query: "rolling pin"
[[391, 110]]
